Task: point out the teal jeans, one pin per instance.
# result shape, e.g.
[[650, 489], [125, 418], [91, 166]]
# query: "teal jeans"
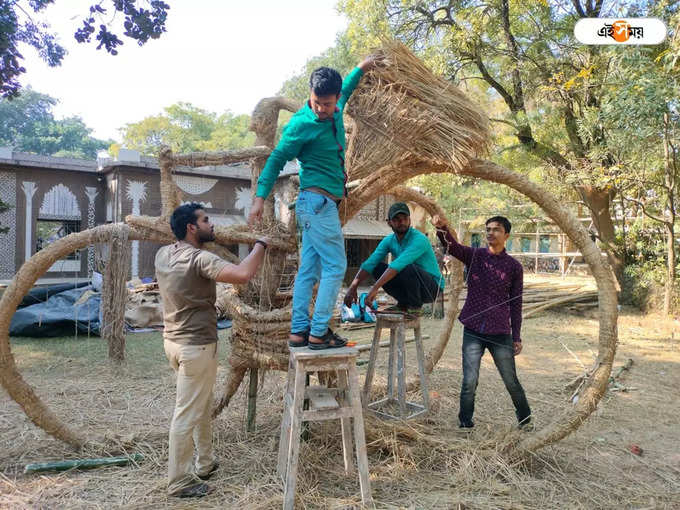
[[322, 260]]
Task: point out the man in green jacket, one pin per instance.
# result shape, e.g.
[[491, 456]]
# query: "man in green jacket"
[[413, 277], [315, 136]]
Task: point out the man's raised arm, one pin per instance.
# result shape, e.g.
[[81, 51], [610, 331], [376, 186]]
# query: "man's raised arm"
[[243, 272], [452, 247], [286, 150]]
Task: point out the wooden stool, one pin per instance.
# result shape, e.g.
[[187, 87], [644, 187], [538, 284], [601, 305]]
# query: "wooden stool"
[[343, 403], [397, 323]]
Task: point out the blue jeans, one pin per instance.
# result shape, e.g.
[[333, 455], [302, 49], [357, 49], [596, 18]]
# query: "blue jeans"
[[322, 258], [500, 347]]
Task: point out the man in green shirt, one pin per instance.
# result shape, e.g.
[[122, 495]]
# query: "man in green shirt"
[[315, 136], [413, 277]]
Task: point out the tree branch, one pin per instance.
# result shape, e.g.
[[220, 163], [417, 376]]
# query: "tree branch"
[[579, 9], [646, 212], [496, 86], [513, 49], [504, 122]]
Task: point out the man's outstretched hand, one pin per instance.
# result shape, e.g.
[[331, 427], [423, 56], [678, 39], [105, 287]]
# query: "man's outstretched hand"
[[255, 215], [370, 298], [439, 221], [370, 62], [351, 296]]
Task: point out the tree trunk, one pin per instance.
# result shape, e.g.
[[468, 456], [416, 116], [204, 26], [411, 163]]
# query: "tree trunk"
[[670, 181], [598, 201], [670, 268]]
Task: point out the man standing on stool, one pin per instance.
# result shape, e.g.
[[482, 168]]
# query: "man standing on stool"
[[492, 314], [413, 276], [315, 136], [186, 277]]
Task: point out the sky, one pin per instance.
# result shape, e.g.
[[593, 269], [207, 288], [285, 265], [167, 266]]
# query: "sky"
[[217, 55]]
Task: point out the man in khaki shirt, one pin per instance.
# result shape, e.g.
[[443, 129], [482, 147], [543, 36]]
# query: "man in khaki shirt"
[[186, 277]]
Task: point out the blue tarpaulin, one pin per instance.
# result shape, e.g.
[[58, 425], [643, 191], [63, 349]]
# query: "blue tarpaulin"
[[59, 315], [54, 312]]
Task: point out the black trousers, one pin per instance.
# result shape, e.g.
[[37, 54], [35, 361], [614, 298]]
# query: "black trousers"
[[412, 286], [500, 347]]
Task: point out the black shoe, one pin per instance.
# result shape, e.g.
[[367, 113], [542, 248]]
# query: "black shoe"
[[526, 425], [330, 340], [207, 476], [466, 424], [198, 490]]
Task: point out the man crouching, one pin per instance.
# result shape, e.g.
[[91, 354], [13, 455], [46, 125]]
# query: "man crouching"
[[413, 277], [186, 276]]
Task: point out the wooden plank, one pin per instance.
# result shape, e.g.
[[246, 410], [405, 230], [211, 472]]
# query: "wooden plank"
[[252, 400], [300, 353], [368, 382], [359, 437], [401, 371], [559, 301], [420, 354], [320, 398], [390, 363], [325, 366], [327, 414], [284, 438], [346, 423], [386, 343], [294, 441]]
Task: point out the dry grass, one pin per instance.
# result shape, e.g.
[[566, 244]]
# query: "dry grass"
[[424, 464]]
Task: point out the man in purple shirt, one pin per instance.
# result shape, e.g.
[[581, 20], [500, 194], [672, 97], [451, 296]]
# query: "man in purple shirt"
[[492, 314]]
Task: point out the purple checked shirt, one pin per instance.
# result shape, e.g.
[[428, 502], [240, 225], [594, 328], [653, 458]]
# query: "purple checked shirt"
[[495, 283]]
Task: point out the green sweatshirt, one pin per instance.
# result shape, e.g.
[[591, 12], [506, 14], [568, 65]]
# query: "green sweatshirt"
[[414, 248], [315, 146]]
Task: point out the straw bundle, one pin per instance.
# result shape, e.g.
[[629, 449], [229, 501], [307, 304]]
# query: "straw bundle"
[[403, 112], [114, 293]]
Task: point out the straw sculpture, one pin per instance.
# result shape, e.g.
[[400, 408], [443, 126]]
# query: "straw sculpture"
[[407, 122], [404, 113], [114, 293]]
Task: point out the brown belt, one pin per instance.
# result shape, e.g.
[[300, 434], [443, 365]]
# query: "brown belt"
[[321, 191]]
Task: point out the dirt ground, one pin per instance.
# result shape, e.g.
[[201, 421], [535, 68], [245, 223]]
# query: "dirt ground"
[[425, 464]]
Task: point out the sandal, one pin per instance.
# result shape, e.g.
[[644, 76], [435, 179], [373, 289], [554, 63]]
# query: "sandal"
[[197, 490], [303, 342], [331, 340]]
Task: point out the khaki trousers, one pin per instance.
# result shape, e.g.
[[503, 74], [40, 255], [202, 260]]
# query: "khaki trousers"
[[196, 369]]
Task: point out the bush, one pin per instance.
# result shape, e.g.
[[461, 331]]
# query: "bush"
[[644, 286]]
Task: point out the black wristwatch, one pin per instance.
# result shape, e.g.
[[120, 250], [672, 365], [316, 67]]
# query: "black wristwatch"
[[260, 241]]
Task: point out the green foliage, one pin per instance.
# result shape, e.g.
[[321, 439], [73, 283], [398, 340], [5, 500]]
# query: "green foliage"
[[141, 20], [570, 117], [368, 23], [643, 287], [187, 128], [28, 125], [475, 201]]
